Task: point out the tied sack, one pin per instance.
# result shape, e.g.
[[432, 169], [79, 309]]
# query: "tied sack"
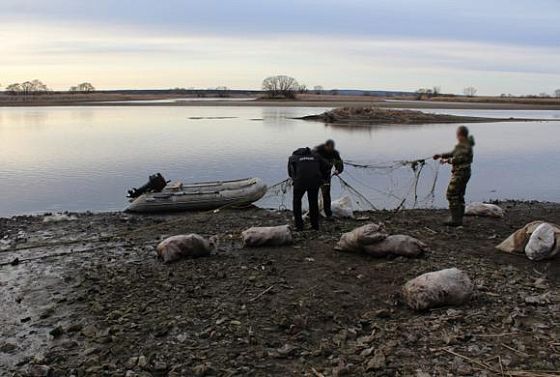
[[440, 288], [539, 240], [398, 245], [185, 246], [357, 239], [341, 207], [267, 236], [484, 210]]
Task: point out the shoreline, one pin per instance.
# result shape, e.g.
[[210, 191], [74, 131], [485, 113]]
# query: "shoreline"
[[93, 298], [399, 104]]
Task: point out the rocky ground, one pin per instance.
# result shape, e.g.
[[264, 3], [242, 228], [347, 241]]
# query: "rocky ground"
[[368, 115], [86, 296]]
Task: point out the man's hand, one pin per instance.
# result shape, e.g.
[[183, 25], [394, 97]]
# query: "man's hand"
[[336, 172], [445, 161], [437, 156]]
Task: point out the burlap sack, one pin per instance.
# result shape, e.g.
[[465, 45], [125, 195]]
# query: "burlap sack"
[[357, 239], [519, 241], [440, 288], [397, 245], [484, 210], [185, 246], [267, 236]]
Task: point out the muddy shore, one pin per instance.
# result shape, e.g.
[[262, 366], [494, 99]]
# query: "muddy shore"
[[86, 296], [374, 115]]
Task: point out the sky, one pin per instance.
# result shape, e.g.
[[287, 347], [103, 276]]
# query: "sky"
[[497, 46]]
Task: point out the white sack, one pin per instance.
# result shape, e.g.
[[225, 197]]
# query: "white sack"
[[484, 210], [440, 288], [397, 245], [357, 239], [267, 236], [185, 246], [535, 248], [342, 207], [542, 243]]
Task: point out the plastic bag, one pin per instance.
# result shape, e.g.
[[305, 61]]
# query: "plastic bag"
[[542, 243], [440, 288], [185, 246], [342, 207], [357, 239], [397, 245], [484, 210], [267, 236]]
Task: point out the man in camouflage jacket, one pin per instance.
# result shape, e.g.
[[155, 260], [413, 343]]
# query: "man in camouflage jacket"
[[460, 159]]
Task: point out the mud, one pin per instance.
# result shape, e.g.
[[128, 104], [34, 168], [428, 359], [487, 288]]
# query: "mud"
[[371, 115], [99, 303]]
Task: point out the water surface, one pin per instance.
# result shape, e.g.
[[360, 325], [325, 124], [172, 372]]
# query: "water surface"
[[85, 158]]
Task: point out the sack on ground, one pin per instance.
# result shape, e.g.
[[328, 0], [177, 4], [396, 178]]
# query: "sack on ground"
[[484, 210], [185, 246], [267, 236], [342, 207], [397, 245], [536, 245], [440, 288], [542, 243], [356, 240]]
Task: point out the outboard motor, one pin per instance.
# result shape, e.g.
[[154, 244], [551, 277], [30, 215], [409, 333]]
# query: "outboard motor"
[[156, 183]]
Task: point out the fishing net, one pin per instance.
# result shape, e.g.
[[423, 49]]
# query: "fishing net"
[[374, 185]]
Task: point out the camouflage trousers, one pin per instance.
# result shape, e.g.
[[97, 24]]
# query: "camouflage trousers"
[[457, 187]]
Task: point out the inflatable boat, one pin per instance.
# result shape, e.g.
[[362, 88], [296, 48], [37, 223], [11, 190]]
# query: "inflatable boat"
[[177, 196]]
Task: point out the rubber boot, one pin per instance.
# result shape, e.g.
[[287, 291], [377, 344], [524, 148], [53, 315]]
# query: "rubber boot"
[[456, 218]]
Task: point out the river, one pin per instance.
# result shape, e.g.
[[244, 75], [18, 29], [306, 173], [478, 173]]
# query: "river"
[[85, 158]]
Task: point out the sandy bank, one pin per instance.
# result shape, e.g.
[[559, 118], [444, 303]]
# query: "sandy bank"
[[108, 306]]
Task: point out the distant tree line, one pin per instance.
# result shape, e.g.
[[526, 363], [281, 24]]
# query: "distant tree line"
[[428, 93], [34, 87], [37, 87], [84, 87]]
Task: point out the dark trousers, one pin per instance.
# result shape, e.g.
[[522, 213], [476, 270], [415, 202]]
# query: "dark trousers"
[[313, 198], [326, 191]]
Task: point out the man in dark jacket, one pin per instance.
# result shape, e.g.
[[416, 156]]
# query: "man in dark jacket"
[[331, 155], [307, 170]]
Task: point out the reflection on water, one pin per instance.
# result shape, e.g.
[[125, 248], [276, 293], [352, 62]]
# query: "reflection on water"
[[85, 158]]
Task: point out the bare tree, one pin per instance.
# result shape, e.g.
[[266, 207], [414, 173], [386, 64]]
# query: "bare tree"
[[280, 86], [318, 89], [425, 93], [436, 91], [38, 87], [14, 89], [86, 87], [222, 91], [27, 88], [470, 91], [557, 93], [302, 89]]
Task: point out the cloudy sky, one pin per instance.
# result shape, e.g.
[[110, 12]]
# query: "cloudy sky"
[[498, 46]]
